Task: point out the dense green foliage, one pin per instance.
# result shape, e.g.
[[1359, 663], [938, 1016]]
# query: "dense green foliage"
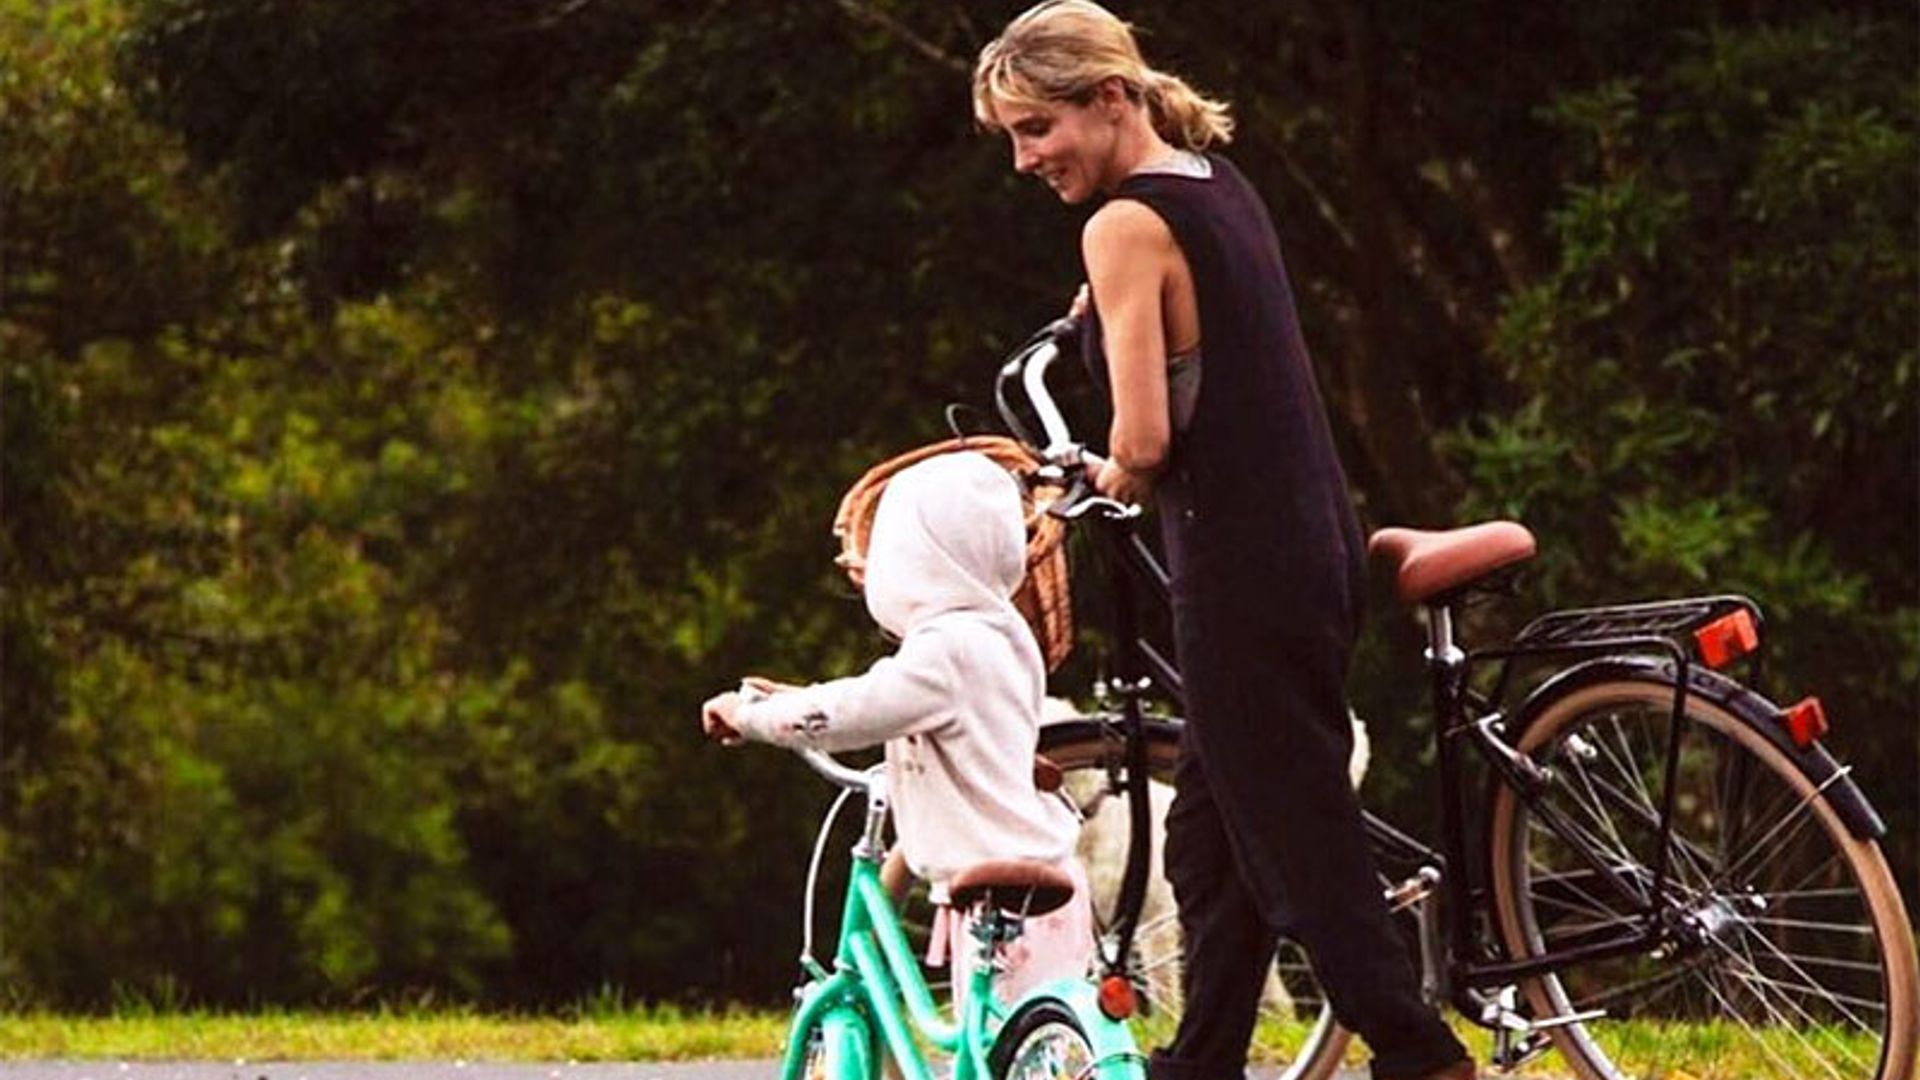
[[412, 409]]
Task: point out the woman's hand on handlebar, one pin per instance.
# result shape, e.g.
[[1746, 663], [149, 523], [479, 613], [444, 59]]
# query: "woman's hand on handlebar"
[[1108, 477], [1119, 483]]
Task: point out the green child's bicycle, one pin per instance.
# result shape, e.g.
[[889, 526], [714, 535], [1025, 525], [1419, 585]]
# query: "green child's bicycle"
[[874, 1001]]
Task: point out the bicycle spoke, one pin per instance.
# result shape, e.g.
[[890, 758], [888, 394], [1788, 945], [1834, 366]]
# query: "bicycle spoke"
[[1580, 909], [1595, 809], [1800, 815], [1667, 981], [1155, 924], [1820, 869], [1754, 975], [1639, 801], [1788, 896], [1765, 1044], [1647, 818], [1755, 984], [1734, 781], [1764, 893], [1615, 869], [1587, 838], [1159, 963], [1835, 962], [1624, 762], [1811, 989], [1853, 929], [1567, 881], [1581, 922]]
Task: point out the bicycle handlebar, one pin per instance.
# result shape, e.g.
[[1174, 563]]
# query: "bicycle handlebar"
[[1065, 456], [1029, 364], [842, 775]]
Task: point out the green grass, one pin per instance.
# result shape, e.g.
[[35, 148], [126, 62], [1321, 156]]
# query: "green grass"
[[640, 1034], [1715, 1051], [614, 1031]]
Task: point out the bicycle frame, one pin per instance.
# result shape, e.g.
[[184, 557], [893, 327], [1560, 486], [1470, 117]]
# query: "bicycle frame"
[[1468, 965], [1464, 963], [876, 981], [876, 975], [1480, 949]]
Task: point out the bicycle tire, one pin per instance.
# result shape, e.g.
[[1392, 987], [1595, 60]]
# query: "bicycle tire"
[[839, 1046], [1298, 1031], [1794, 938], [1043, 1041]]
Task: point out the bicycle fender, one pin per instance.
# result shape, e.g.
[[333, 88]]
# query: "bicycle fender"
[[1116, 1055], [1745, 705]]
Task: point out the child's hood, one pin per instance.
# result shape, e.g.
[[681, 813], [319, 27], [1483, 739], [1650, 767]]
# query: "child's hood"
[[949, 536]]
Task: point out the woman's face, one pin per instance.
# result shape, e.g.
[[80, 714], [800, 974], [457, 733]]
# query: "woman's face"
[[1069, 146]]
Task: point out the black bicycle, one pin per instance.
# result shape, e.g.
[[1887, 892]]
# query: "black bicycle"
[[1660, 860]]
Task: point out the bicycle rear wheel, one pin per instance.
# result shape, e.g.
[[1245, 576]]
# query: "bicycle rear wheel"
[[1297, 1029], [1045, 1042], [1791, 955]]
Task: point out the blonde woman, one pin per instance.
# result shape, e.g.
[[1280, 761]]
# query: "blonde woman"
[[1190, 325]]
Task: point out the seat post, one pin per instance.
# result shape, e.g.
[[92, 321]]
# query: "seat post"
[[1447, 667], [993, 926], [1440, 645]]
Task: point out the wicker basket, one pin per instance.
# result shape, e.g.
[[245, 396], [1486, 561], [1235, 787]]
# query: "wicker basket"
[[1043, 597]]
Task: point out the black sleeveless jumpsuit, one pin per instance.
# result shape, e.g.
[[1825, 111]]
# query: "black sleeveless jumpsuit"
[[1264, 836]]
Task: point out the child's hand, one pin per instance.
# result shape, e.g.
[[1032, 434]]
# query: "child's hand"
[[716, 718]]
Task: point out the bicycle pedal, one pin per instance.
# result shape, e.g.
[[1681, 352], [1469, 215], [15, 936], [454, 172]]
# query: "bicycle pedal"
[[1414, 890]]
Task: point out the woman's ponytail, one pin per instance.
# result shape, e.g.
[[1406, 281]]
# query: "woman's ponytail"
[[1182, 116]]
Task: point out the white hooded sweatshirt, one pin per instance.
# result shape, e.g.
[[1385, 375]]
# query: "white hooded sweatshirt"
[[959, 704]]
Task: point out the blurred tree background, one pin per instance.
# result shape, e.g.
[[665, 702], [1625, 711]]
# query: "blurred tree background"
[[412, 409]]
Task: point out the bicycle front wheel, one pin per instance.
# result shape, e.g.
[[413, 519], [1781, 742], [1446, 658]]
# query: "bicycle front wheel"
[[1789, 955], [1297, 1029], [839, 1046]]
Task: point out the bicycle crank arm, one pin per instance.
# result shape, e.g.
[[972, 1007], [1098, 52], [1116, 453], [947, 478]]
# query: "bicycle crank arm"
[[1562, 1021]]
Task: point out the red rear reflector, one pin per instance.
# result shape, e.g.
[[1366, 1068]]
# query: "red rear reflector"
[[1727, 638], [1805, 721], [1117, 999]]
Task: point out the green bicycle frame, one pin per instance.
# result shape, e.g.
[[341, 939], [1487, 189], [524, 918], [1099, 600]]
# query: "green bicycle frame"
[[876, 985]]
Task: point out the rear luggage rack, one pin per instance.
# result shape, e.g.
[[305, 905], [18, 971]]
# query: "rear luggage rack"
[[1715, 630], [1675, 620]]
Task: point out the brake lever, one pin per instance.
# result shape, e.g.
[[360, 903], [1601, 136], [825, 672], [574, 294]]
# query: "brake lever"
[[1110, 509], [1079, 501]]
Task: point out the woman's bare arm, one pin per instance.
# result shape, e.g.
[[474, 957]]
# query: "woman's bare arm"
[[1130, 255], [1148, 312]]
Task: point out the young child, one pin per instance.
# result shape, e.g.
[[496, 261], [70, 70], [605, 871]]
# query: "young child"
[[958, 705]]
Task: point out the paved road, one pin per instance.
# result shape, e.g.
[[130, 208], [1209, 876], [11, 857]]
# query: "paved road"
[[403, 1070]]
